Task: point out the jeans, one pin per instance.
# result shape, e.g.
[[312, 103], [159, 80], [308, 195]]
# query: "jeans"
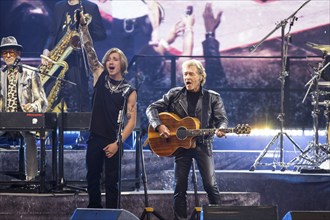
[[95, 158], [205, 163]]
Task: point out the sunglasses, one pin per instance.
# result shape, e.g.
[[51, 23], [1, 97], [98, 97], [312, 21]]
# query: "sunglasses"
[[10, 52]]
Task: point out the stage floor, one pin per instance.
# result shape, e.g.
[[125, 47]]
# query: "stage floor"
[[58, 206], [287, 190]]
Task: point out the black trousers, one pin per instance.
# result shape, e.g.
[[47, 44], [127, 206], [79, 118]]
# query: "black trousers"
[[95, 159], [205, 163]]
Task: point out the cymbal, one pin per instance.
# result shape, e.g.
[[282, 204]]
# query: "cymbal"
[[324, 48]]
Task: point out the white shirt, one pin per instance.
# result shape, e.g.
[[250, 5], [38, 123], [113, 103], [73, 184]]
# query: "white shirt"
[[128, 9]]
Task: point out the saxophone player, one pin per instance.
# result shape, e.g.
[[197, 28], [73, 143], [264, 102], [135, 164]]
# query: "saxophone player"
[[76, 97], [21, 91]]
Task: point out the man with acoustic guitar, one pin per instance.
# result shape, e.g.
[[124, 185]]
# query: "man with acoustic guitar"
[[205, 106]]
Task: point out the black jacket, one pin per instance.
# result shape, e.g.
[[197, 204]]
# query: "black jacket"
[[175, 101]]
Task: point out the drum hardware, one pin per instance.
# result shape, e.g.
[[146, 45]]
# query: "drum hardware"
[[325, 73], [279, 150], [315, 153], [316, 77], [325, 84], [324, 48], [324, 103], [324, 93]]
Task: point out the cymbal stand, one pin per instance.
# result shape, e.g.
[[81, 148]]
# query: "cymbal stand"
[[315, 153], [285, 39]]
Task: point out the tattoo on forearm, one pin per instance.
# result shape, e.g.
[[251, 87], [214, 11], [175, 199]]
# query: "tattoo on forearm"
[[92, 59], [89, 48]]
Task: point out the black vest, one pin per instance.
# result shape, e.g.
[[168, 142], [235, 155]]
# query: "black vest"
[[106, 106]]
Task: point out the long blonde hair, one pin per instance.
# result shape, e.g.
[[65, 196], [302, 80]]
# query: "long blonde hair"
[[123, 59]]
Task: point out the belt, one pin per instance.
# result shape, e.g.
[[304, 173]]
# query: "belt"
[[130, 23]]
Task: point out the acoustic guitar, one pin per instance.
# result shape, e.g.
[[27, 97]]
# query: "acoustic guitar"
[[183, 133]]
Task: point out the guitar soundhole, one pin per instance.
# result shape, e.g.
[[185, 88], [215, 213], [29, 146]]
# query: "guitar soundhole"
[[181, 133]]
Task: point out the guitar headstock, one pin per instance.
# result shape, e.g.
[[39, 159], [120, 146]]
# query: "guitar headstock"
[[242, 129]]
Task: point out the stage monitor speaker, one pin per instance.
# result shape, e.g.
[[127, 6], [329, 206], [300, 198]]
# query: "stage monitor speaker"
[[102, 214], [215, 212], [307, 215]]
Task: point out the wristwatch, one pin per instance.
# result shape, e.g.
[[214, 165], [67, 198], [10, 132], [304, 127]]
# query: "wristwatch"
[[209, 34]]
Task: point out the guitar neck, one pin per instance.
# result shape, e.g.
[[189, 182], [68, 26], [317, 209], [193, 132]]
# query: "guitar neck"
[[211, 131]]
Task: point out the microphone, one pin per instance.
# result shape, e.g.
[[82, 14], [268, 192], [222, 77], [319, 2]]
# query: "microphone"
[[17, 61], [126, 91], [19, 64], [77, 14], [120, 115]]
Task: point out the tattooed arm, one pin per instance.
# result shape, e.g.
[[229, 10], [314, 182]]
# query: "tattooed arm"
[[94, 64], [131, 115]]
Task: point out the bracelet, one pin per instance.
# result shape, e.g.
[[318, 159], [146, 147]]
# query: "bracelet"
[[209, 34], [164, 44]]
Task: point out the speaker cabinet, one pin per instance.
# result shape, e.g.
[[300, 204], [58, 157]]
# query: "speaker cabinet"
[[214, 212], [307, 215], [102, 214]]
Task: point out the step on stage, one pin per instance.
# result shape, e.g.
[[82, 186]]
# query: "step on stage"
[[288, 190], [62, 205]]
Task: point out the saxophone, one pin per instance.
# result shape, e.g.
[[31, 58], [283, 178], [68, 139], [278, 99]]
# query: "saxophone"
[[69, 42], [52, 97]]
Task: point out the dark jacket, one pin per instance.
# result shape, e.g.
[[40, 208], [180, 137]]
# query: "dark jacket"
[[175, 101], [96, 27]]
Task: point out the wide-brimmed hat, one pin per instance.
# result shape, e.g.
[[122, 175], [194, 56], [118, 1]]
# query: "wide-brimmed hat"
[[10, 42]]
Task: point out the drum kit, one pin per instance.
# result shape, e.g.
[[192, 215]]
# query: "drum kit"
[[315, 154]]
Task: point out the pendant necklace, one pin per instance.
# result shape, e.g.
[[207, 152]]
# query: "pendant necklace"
[[113, 88]]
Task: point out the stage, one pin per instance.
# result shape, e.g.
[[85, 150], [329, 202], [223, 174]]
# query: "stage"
[[287, 190]]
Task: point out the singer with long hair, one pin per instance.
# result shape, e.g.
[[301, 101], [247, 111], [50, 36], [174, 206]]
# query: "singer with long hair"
[[21, 91], [111, 91]]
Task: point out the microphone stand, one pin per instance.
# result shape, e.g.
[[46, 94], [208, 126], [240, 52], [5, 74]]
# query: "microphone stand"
[[120, 144], [82, 52], [51, 76], [281, 24], [285, 38]]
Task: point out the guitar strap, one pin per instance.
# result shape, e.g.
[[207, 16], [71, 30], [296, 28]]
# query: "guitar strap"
[[205, 105]]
